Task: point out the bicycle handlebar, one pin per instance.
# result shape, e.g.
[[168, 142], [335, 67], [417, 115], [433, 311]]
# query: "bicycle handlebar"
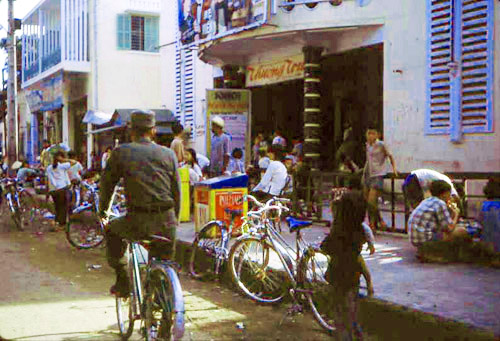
[[252, 198]]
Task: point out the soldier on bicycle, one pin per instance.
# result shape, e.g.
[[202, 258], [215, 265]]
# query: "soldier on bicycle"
[[152, 189]]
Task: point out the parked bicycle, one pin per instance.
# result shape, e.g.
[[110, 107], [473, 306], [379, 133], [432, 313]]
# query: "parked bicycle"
[[19, 201], [265, 267], [156, 297], [84, 229], [210, 248]]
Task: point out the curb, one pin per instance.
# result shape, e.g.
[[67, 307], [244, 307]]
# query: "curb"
[[386, 320]]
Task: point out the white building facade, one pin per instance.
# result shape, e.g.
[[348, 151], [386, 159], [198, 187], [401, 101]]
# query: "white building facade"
[[184, 77], [425, 73], [87, 55]]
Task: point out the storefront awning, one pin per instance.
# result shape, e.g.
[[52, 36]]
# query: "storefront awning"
[[97, 117], [120, 117]]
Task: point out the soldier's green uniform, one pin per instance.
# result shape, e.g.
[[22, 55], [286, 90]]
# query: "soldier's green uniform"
[[152, 190]]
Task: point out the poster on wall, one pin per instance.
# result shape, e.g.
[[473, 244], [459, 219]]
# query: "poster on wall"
[[46, 95], [203, 20], [233, 106]]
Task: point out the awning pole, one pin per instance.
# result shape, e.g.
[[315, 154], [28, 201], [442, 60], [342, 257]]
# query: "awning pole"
[[90, 146]]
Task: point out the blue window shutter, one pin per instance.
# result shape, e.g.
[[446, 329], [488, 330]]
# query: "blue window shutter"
[[476, 65], [151, 34], [123, 32], [439, 55]]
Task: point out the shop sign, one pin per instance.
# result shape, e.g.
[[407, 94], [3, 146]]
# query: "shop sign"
[[204, 20], [46, 95], [233, 106], [275, 72], [231, 199]]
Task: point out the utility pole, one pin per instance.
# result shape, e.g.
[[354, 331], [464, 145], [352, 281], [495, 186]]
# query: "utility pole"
[[12, 89]]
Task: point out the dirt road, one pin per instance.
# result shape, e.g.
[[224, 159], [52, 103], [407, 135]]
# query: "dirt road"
[[50, 291]]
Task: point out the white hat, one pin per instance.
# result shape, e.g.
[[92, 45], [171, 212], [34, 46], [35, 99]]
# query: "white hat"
[[218, 121]]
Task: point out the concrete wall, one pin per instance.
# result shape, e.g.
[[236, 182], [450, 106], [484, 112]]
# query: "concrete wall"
[[126, 79]]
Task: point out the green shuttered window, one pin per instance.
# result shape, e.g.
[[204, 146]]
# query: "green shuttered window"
[[460, 67], [139, 33]]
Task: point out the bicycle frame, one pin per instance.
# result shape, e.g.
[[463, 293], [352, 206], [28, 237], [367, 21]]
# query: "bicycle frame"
[[284, 250], [138, 284], [12, 196]]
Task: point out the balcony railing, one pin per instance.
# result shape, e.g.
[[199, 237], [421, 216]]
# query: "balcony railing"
[[50, 60], [55, 32]]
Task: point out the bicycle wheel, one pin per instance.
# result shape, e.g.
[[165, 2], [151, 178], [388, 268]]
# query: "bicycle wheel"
[[164, 305], [204, 250], [313, 278], [15, 213], [84, 230], [257, 270], [127, 308]]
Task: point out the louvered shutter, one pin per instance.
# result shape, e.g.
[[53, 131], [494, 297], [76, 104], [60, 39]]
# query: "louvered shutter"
[[185, 85], [476, 64], [151, 34], [189, 84], [178, 82], [123, 32], [439, 55]]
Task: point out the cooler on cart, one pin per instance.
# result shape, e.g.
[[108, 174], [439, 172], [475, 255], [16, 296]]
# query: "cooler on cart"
[[213, 196]]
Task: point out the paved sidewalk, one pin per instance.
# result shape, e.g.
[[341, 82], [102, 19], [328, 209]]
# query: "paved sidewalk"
[[461, 292]]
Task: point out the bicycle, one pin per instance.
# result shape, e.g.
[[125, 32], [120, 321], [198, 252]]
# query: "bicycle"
[[211, 245], [264, 266], [84, 230], [20, 202], [155, 297]]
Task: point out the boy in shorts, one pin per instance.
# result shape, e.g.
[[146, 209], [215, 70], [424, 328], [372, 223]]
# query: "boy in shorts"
[[373, 174]]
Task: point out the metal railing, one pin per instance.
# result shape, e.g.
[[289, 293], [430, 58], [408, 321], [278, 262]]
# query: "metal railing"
[[318, 190]]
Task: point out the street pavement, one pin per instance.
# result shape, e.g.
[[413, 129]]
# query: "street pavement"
[[51, 291], [461, 292], [453, 292]]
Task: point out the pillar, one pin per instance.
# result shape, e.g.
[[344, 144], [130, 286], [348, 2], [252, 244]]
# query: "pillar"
[[65, 119], [312, 108]]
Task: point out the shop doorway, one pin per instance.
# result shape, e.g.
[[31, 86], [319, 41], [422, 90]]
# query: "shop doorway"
[[352, 100], [278, 107]]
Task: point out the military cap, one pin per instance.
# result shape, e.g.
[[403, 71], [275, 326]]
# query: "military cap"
[[142, 119]]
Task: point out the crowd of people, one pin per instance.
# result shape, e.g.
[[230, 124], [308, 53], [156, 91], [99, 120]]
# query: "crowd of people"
[[274, 163]]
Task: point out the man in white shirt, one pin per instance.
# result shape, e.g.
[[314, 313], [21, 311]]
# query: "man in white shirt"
[[279, 140], [203, 162], [57, 174], [275, 177], [75, 172], [416, 186]]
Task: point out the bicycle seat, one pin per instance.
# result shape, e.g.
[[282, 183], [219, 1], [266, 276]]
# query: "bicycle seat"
[[233, 213], [296, 224]]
